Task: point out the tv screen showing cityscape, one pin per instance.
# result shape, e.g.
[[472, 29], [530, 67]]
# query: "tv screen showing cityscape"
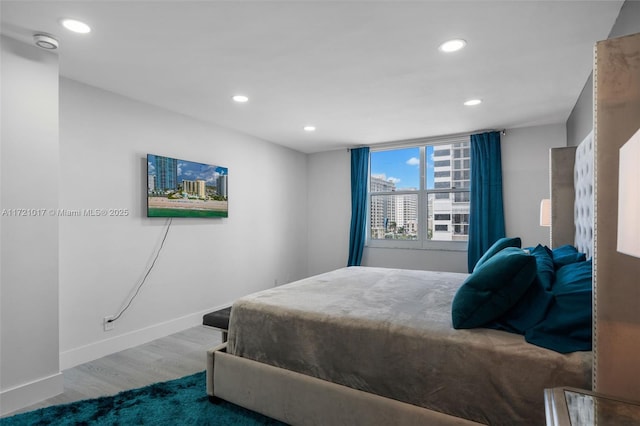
[[179, 188]]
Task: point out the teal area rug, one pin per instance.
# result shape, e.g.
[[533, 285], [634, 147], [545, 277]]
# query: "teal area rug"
[[177, 402]]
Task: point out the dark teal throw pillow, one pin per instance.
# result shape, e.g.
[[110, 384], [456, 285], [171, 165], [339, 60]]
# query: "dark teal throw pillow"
[[493, 288], [497, 247], [567, 327], [534, 304], [565, 255], [544, 265], [527, 312]]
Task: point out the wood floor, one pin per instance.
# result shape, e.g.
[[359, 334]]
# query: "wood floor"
[[163, 359]]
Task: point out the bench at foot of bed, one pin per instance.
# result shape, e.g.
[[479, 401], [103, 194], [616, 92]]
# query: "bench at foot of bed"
[[219, 320]]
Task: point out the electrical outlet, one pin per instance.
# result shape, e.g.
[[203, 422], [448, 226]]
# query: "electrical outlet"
[[108, 323]]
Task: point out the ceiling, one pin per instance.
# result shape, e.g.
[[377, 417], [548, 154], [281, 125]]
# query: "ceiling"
[[362, 72]]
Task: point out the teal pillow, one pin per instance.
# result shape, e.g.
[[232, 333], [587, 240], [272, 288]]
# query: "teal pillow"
[[534, 304], [493, 288], [527, 312], [567, 327], [566, 255], [544, 265], [497, 247]]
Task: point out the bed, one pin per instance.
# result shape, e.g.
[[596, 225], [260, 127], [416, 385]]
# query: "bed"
[[364, 345]]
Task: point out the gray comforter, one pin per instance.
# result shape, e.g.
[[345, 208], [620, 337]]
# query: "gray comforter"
[[389, 332]]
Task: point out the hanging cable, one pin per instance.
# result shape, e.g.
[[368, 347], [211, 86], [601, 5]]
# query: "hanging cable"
[[145, 276]]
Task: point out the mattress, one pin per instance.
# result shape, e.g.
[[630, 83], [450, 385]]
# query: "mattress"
[[389, 332]]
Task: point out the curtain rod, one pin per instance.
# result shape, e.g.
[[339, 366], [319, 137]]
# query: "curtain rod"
[[417, 141]]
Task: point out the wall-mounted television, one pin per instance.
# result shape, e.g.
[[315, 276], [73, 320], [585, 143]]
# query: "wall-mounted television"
[[180, 188]]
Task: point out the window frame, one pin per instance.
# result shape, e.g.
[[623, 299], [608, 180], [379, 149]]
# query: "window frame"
[[421, 243]]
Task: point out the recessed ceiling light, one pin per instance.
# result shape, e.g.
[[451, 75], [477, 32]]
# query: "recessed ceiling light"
[[452, 45], [473, 102], [309, 128], [76, 26], [240, 98]]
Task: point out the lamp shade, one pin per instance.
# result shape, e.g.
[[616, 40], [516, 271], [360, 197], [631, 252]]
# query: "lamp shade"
[[629, 197], [545, 212]]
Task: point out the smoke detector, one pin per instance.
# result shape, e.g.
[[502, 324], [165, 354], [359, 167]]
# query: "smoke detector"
[[45, 41]]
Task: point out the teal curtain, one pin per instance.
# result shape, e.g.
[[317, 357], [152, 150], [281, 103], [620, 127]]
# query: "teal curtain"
[[486, 216], [359, 179]]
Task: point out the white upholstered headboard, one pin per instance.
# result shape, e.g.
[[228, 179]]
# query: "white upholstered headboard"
[[583, 204], [572, 196]]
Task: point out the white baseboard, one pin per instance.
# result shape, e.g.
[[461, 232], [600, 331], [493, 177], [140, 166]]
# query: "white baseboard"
[[80, 355], [30, 393]]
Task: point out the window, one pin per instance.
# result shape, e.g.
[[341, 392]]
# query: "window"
[[419, 196]]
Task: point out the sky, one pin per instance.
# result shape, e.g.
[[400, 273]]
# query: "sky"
[[194, 171], [188, 170], [402, 166]]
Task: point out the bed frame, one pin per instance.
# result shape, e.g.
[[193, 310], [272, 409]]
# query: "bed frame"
[[299, 399]]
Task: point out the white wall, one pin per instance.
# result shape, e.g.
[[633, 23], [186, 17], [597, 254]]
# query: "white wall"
[[289, 217], [580, 122], [205, 263], [525, 164], [525, 179], [29, 367], [329, 203], [432, 260]]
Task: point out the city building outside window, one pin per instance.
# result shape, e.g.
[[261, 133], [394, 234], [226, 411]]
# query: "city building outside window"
[[419, 195]]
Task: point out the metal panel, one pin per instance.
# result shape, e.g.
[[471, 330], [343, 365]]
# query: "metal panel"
[[616, 276], [562, 196]]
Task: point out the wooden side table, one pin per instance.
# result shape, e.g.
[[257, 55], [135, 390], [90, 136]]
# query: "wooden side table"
[[567, 406]]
